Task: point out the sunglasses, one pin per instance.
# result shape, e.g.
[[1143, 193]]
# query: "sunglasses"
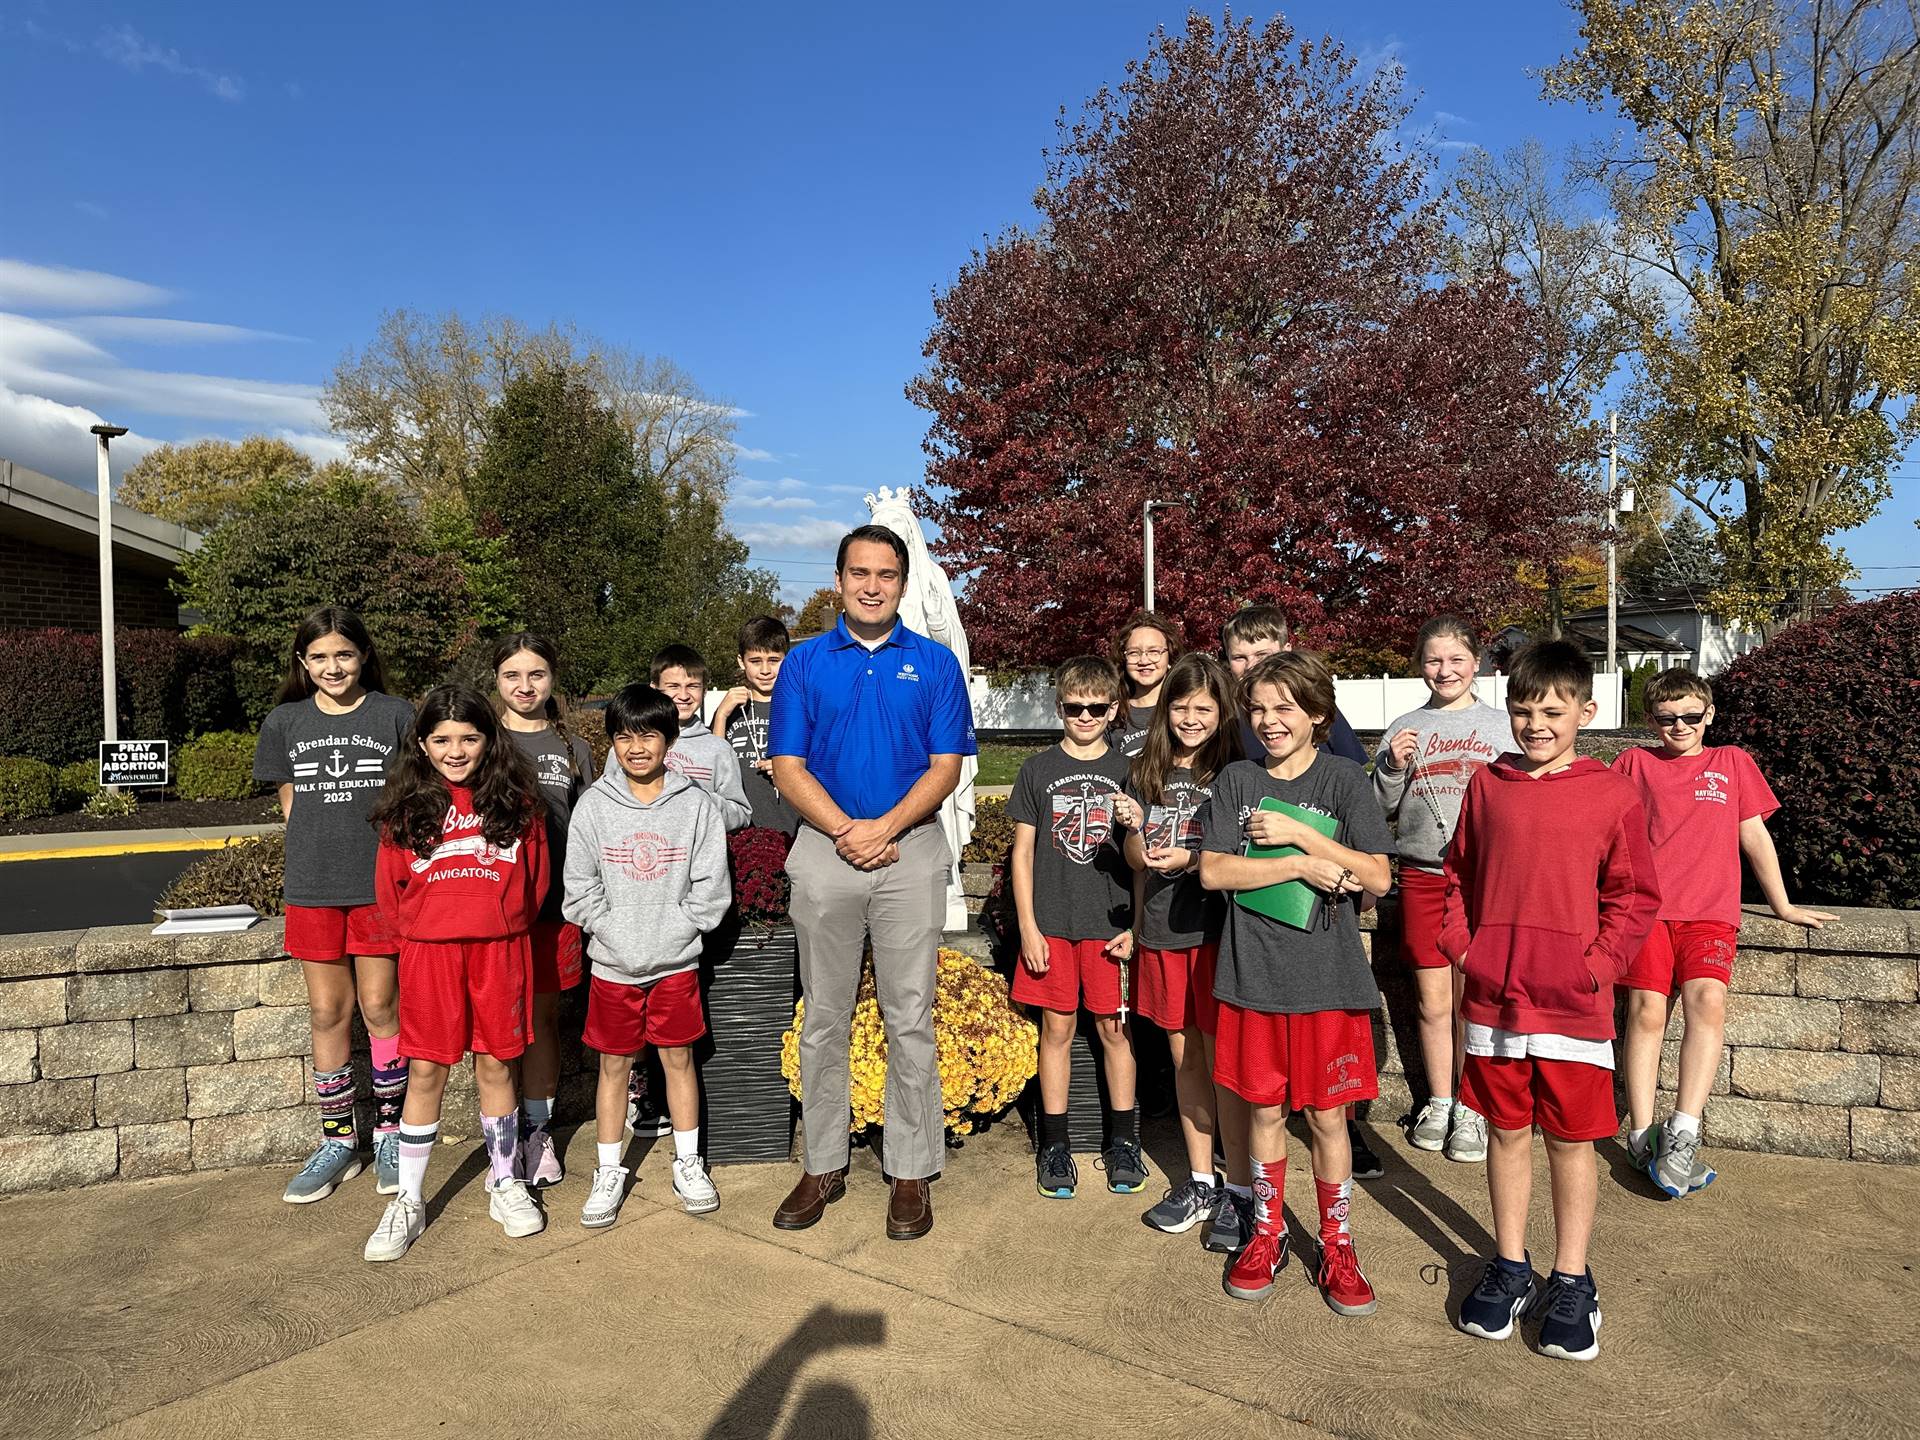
[[1667, 722], [1074, 709]]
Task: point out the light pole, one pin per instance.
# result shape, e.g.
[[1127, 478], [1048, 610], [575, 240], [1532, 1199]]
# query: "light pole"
[[1619, 502], [1146, 533], [109, 695]]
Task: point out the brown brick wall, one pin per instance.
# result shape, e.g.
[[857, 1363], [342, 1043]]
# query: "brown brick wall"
[[41, 586]]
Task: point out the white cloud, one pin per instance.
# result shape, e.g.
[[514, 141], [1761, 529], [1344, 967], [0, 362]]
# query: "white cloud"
[[747, 452], [154, 330], [52, 438], [58, 287], [324, 448], [775, 502], [688, 406], [92, 208], [1447, 117], [127, 48], [800, 535]]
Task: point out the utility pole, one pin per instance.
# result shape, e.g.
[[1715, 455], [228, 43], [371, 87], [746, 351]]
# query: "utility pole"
[[1613, 542], [109, 690], [1146, 537]]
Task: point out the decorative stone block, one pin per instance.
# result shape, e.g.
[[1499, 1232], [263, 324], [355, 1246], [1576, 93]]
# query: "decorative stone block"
[[242, 1085], [257, 1138], [1900, 1082], [223, 987], [28, 1004], [55, 1162], [1867, 1027], [149, 1150], [269, 1030], [1857, 977], [1891, 1137], [166, 1041], [100, 1048], [46, 1107], [1764, 972], [122, 947], [1782, 1022], [127, 995], [1822, 1131], [283, 982], [140, 1097], [1813, 1077], [1670, 1068], [48, 953], [19, 1057], [1862, 931], [263, 941], [1760, 929]]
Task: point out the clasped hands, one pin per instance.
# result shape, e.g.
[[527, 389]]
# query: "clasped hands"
[[866, 845]]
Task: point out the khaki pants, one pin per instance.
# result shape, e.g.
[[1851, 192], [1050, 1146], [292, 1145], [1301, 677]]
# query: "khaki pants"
[[836, 907]]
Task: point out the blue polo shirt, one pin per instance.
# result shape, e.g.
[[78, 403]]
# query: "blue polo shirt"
[[866, 722]]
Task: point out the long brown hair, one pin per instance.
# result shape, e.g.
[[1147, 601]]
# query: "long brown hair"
[[556, 708], [1191, 674], [1144, 620], [330, 620], [412, 809]]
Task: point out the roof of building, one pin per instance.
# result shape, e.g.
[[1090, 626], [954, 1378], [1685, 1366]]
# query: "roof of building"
[[50, 512], [1593, 635]]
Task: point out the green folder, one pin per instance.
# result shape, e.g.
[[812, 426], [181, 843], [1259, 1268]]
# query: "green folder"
[[1292, 902]]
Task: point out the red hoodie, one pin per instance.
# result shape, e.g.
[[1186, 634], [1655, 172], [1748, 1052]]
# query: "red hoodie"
[[469, 888], [1550, 894]]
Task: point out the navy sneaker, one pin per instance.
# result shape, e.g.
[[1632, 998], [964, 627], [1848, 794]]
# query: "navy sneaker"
[[1126, 1167], [1503, 1295], [1571, 1330], [1366, 1164], [1232, 1224], [1055, 1173], [1185, 1206]]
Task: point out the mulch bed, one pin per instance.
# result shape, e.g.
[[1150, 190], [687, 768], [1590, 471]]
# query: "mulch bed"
[[157, 813]]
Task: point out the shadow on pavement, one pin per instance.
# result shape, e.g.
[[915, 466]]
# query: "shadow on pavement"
[[826, 1407]]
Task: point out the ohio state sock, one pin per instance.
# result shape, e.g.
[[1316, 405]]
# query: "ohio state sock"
[[334, 1090], [389, 1082], [1269, 1191], [416, 1148], [1336, 1199], [502, 1134]]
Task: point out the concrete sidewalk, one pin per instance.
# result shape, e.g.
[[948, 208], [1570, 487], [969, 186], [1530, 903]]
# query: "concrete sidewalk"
[[1778, 1301], [77, 844]]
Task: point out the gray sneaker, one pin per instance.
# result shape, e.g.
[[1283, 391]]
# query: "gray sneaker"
[[1640, 1155], [1232, 1224], [332, 1165], [386, 1163], [1430, 1125], [1184, 1207], [1467, 1142], [1126, 1167], [1676, 1166]]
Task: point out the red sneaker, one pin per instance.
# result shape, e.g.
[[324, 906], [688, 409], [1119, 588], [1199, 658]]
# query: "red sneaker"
[[1250, 1277], [1346, 1290]]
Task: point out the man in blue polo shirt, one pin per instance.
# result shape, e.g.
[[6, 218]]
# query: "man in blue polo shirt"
[[870, 722]]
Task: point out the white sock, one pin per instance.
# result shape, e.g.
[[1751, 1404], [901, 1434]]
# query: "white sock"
[[1682, 1123], [1445, 1102], [1245, 1192], [1205, 1178], [686, 1143], [537, 1109], [1634, 1137], [416, 1148], [608, 1152]]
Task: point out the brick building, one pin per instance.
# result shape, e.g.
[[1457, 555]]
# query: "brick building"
[[50, 558]]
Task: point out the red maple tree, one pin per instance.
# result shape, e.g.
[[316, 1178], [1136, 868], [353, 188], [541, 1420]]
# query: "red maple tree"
[[1231, 300]]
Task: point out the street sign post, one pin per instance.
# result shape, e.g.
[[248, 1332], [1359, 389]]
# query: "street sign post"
[[133, 762]]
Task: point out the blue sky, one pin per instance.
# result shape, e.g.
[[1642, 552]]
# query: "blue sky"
[[768, 194]]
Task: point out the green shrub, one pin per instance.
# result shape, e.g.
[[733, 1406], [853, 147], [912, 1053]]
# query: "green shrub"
[[110, 804], [1635, 698], [591, 726], [248, 872], [74, 785], [26, 788], [215, 767], [992, 832]]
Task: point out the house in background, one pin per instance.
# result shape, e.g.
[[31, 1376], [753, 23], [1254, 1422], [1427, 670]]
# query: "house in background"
[[1634, 646], [1712, 644], [50, 558]]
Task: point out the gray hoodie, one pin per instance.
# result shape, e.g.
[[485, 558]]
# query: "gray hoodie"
[[645, 881], [1423, 800], [707, 760]]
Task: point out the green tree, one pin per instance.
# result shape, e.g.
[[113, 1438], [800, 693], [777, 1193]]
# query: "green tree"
[[343, 538], [201, 484], [820, 612]]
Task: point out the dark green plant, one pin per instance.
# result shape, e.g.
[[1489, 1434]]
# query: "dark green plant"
[[992, 832], [74, 785], [26, 788], [248, 872], [215, 767]]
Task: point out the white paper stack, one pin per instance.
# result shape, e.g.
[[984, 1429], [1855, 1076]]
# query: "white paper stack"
[[207, 920]]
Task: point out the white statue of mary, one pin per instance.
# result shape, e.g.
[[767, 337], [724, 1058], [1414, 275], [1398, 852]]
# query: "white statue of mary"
[[928, 606]]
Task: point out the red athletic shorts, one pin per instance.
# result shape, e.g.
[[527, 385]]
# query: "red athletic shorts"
[[462, 995], [334, 932], [1078, 972], [623, 1018], [1174, 988], [1681, 950], [1317, 1061], [1568, 1099], [556, 956], [1422, 899]]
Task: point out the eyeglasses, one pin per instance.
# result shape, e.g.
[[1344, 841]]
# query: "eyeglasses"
[[1159, 654], [1667, 722], [1074, 709]]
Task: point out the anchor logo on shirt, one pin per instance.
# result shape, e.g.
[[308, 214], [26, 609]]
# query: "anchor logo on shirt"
[[337, 766]]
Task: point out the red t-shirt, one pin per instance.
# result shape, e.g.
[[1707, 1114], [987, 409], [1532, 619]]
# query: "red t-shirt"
[[1695, 804]]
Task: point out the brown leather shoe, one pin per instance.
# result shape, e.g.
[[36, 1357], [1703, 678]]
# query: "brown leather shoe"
[[808, 1200], [909, 1210]]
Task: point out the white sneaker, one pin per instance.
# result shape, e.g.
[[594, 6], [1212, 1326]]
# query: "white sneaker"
[[400, 1225], [605, 1198], [1430, 1125], [513, 1205], [1468, 1142], [695, 1189]]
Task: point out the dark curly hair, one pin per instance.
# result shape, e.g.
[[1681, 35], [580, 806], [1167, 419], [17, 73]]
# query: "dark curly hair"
[[412, 809]]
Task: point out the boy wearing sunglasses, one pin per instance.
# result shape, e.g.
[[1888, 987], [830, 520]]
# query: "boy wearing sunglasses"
[[1706, 806], [1073, 891]]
